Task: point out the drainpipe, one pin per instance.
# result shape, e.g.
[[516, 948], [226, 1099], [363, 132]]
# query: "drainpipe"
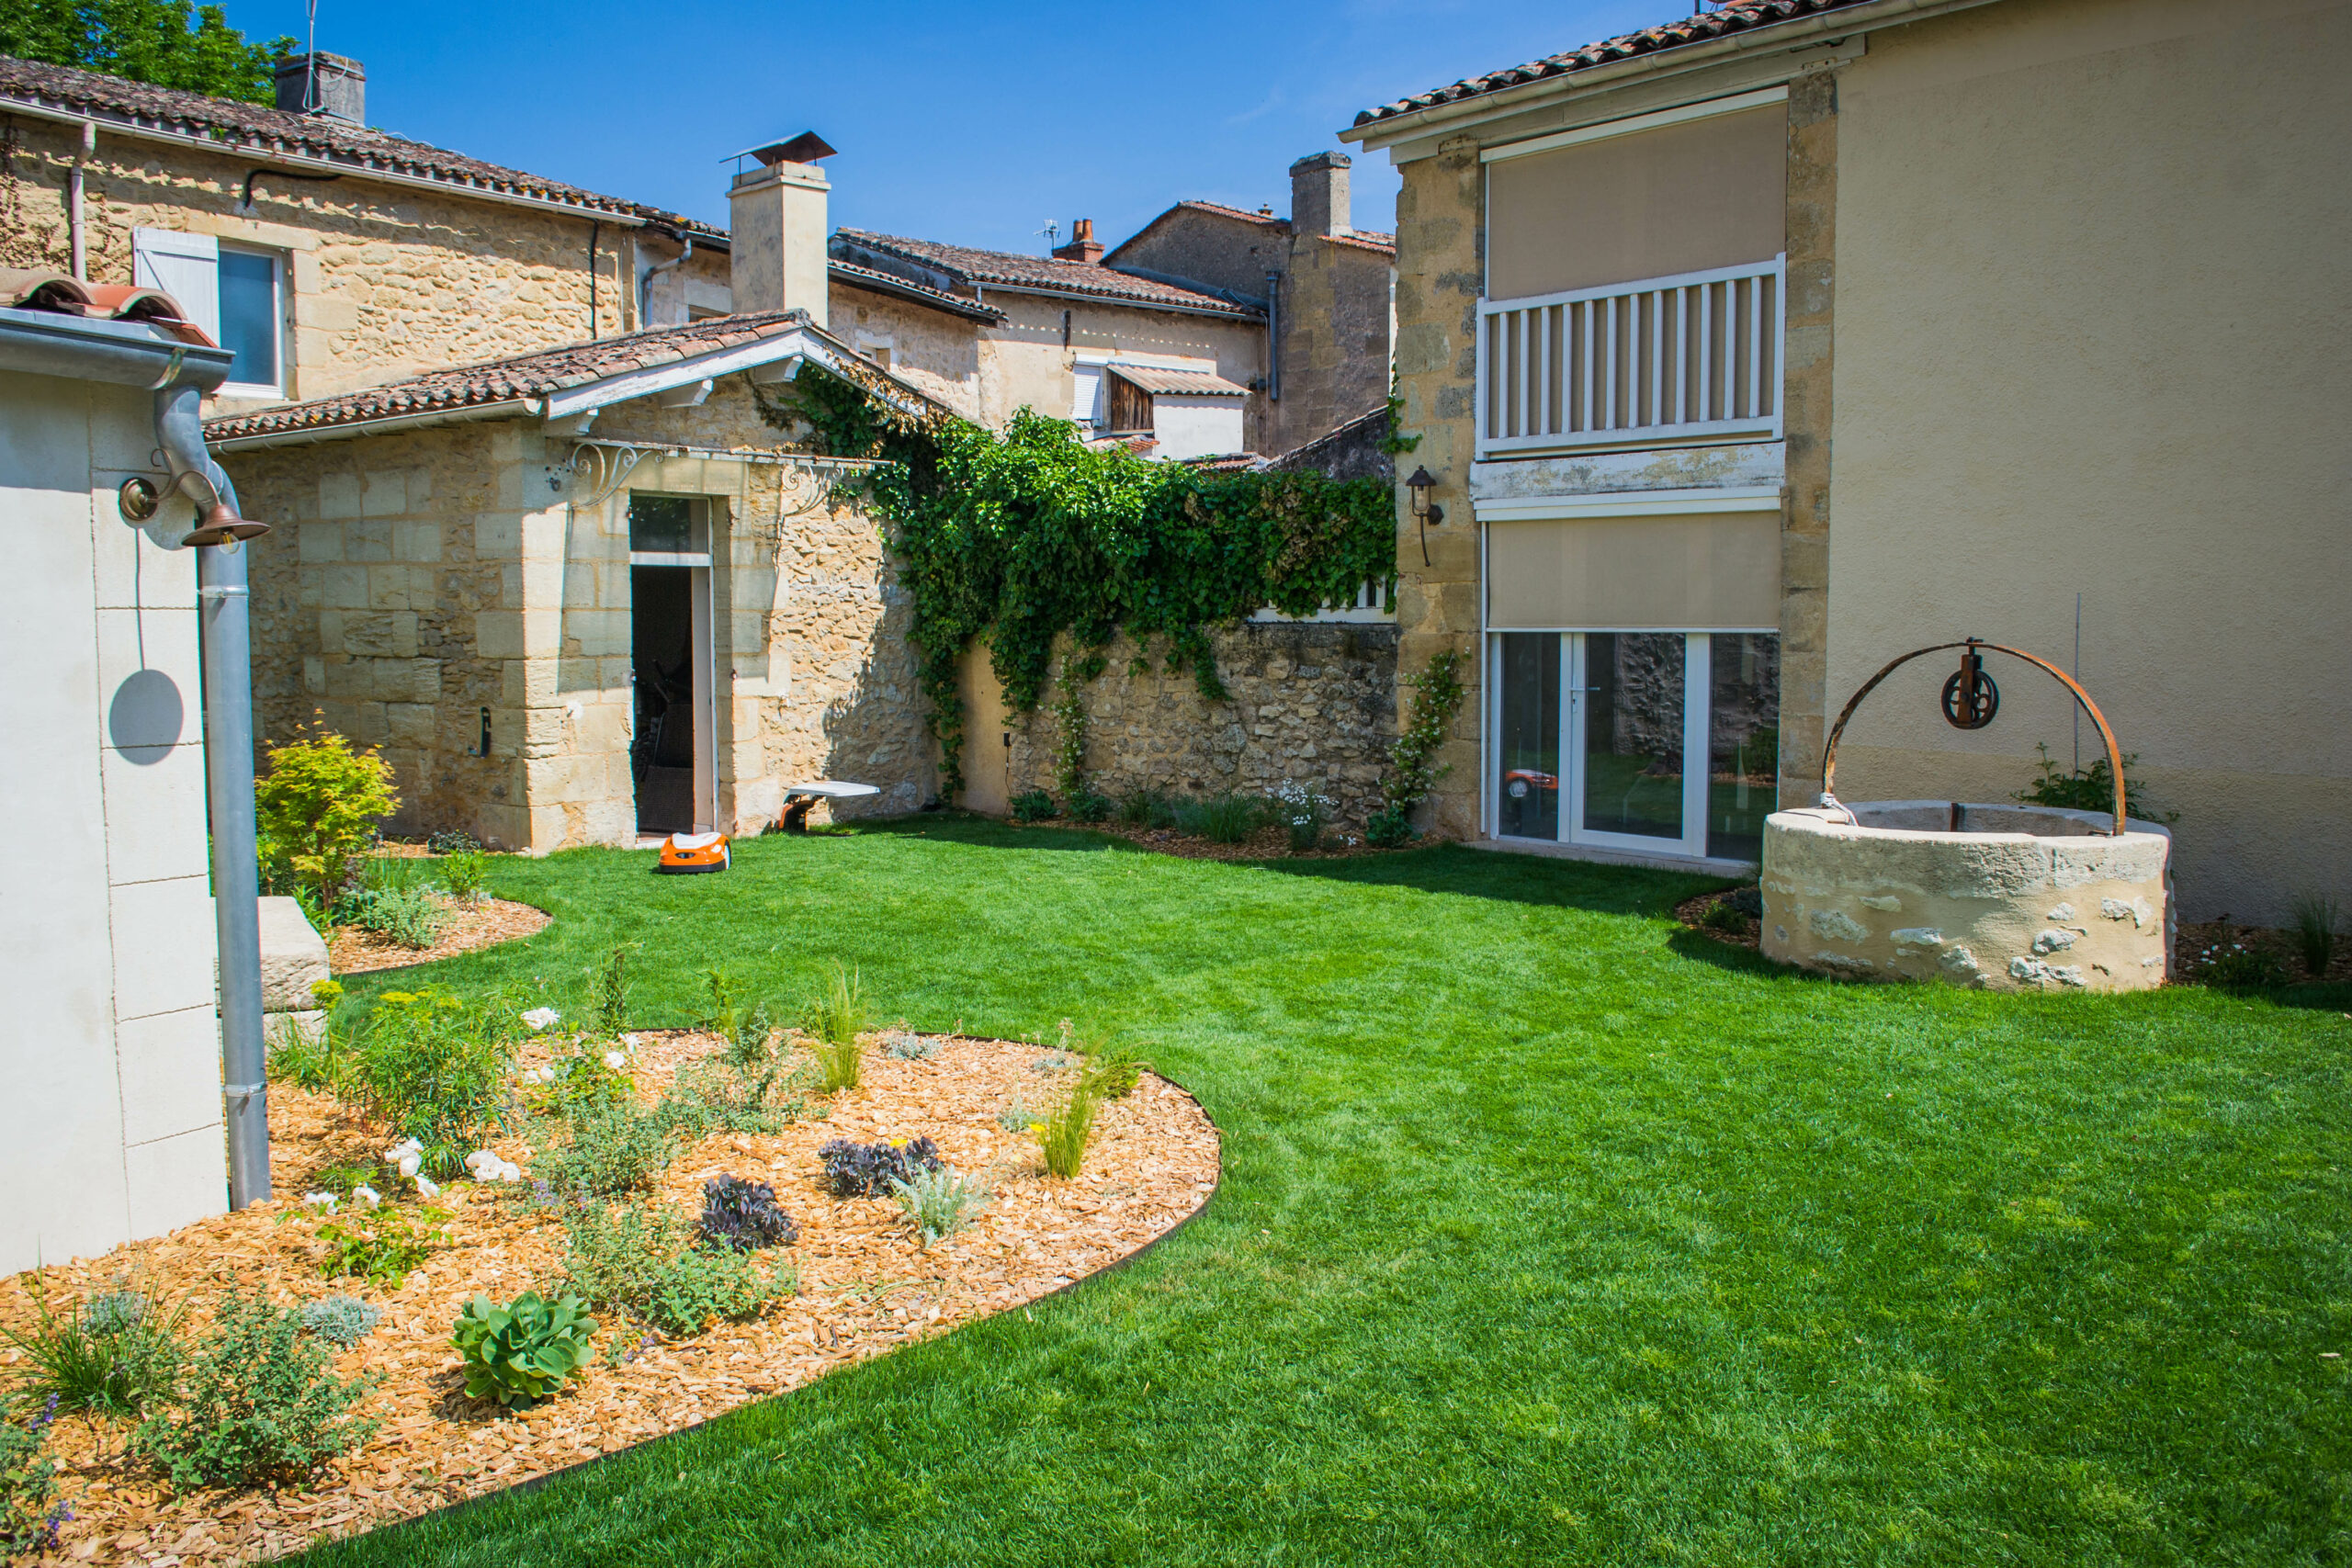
[[73, 204], [645, 281], [1274, 337]]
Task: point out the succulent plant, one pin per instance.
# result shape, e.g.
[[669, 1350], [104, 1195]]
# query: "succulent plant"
[[339, 1319], [867, 1171], [520, 1353], [742, 1215]]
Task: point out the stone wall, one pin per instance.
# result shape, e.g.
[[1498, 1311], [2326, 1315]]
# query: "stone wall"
[[1310, 700]]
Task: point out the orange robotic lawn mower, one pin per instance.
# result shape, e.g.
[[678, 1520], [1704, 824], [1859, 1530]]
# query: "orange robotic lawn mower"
[[685, 853]]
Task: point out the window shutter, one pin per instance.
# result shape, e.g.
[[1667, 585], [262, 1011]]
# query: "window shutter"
[[186, 267], [1086, 399]]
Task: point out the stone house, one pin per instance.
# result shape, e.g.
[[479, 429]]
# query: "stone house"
[[1753, 349]]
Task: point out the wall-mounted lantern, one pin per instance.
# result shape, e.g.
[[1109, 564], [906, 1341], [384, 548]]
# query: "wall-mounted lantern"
[[1426, 512]]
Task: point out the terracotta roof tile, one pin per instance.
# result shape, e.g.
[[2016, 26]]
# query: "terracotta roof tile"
[[253, 128], [1176, 383], [1745, 16], [907, 288], [57, 293], [971, 268]]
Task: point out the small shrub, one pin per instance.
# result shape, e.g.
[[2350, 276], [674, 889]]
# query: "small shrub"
[[1723, 914], [908, 1047], [1052, 1062], [613, 1150], [750, 1042], [585, 1079], [638, 1261], [29, 1513], [2091, 788], [743, 1215], [611, 995], [521, 1352], [867, 1171], [111, 1354], [1016, 1117], [452, 841], [317, 807], [1302, 809], [835, 1018], [428, 1065], [465, 875], [1067, 1133], [716, 1096], [1085, 806], [2237, 968], [2316, 920], [344, 1179], [1147, 808], [1034, 806], [1112, 1073], [339, 1320], [1748, 901], [260, 1402], [410, 916], [938, 1202], [1389, 827], [380, 1246], [1220, 819]]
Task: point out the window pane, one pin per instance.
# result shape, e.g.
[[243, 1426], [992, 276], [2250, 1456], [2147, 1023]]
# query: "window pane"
[[1529, 745], [249, 316], [1633, 733], [1743, 742], [664, 522]]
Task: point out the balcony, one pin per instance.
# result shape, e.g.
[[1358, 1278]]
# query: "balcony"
[[1661, 361]]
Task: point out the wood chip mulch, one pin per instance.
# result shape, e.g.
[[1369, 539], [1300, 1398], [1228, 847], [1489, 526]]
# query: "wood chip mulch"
[[1692, 912], [355, 949], [2191, 944], [866, 1287]]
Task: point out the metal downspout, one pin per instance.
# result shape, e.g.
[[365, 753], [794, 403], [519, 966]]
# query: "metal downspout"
[[225, 625]]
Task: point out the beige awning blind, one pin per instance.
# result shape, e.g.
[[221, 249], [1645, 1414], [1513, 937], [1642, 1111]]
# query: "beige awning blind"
[[1706, 193], [1704, 571]]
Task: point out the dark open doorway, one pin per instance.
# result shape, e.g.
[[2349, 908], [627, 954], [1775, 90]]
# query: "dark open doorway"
[[670, 663]]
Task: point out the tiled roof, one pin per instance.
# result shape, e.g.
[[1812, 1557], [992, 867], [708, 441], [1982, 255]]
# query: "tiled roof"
[[1745, 16], [1268, 218], [972, 267], [1367, 239], [907, 288], [1176, 383], [240, 127], [507, 380], [57, 293]]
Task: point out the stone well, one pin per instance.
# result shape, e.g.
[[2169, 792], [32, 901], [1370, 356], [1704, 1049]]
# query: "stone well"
[[2003, 898]]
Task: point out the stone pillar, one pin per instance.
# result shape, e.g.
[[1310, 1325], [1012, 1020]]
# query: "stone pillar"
[[1441, 229], [1805, 405]]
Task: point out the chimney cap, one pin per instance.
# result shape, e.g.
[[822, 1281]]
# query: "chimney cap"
[[805, 148]]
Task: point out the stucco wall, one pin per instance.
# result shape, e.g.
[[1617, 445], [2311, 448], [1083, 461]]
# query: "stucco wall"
[[1024, 363], [2094, 281], [112, 1050], [434, 573], [386, 282]]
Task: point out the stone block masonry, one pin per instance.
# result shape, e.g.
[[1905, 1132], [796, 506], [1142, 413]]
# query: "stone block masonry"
[[1312, 702]]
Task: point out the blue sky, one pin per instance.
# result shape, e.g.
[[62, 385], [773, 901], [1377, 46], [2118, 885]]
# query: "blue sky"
[[973, 123]]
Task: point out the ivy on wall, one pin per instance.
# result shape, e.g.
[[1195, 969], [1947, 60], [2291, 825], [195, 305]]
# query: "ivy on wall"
[[1029, 535]]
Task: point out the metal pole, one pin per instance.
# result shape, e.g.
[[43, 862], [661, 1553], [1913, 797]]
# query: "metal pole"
[[236, 883]]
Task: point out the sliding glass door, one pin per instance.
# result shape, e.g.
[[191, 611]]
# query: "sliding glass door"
[[1647, 740]]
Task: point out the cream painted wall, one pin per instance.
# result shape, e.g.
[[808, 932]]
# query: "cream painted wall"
[[112, 1050], [2094, 282], [1023, 362]]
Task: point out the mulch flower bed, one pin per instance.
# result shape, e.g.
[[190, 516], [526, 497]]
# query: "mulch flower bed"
[[1692, 912], [865, 1287], [355, 949]]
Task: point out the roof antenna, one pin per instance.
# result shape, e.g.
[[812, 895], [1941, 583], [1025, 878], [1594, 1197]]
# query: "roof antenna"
[[311, 99], [1052, 231]]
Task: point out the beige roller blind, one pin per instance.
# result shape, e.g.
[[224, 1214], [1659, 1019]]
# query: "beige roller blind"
[[1681, 198], [1705, 572]]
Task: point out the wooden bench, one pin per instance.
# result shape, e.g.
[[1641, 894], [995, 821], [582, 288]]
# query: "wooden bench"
[[802, 799]]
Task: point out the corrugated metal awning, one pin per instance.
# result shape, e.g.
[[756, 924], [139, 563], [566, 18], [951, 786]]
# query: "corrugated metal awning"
[[1176, 383]]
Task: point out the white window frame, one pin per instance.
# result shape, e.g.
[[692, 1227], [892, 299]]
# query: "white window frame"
[[280, 316]]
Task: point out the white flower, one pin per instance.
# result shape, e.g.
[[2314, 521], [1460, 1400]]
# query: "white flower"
[[426, 1187], [617, 1060], [509, 1171], [482, 1160], [411, 1164], [539, 1018], [326, 1201], [368, 1195]]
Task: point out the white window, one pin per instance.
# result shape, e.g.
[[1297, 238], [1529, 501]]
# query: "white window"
[[236, 293]]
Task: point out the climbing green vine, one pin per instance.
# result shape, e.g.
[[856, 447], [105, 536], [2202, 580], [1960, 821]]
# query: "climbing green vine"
[[1412, 771], [1029, 535]]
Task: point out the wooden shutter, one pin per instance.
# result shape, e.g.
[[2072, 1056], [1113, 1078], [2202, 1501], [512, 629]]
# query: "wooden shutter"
[[186, 267], [1130, 407]]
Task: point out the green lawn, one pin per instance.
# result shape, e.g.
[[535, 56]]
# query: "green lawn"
[[1549, 1233]]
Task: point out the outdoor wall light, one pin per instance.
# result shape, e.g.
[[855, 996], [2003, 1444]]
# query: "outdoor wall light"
[[1426, 512]]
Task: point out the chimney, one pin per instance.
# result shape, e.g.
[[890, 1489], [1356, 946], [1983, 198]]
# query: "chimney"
[[778, 228], [1082, 246], [334, 85], [1318, 195]]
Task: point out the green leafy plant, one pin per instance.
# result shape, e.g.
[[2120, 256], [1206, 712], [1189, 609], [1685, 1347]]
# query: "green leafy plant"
[[584, 1078], [2233, 966], [109, 1355], [452, 841], [341, 1321], [612, 995], [1069, 729], [521, 1352], [1413, 770], [938, 1202], [29, 1512], [1063, 1137], [639, 1260], [1147, 808], [722, 1097], [1113, 1072], [259, 1401], [465, 875], [1302, 809], [1723, 914], [613, 1149], [317, 807], [834, 1018], [1085, 806], [1226, 818], [2317, 920], [412, 916], [380, 1246], [1016, 1117], [1033, 805], [429, 1065], [2091, 788]]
